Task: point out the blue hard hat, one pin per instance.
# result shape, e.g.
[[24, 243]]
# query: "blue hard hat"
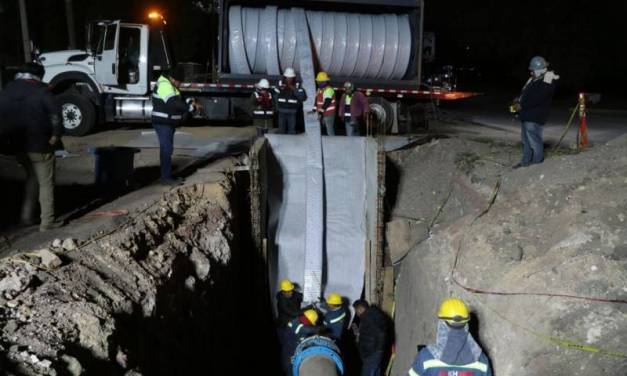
[[537, 63]]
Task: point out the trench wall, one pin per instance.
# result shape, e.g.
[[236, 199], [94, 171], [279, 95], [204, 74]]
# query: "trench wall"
[[176, 291]]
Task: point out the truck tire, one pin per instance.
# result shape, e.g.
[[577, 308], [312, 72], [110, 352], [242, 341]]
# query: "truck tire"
[[77, 113], [383, 114]]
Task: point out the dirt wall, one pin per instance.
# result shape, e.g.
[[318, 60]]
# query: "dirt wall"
[[556, 229], [170, 293]]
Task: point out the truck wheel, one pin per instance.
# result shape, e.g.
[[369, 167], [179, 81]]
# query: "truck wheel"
[[77, 113], [383, 113]]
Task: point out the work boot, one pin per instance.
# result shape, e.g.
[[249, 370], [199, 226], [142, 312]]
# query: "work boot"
[[51, 226], [517, 166]]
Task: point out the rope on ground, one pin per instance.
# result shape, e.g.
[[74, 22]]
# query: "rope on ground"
[[561, 342], [513, 293], [566, 128]]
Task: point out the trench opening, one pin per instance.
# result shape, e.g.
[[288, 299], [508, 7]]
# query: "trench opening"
[[223, 325]]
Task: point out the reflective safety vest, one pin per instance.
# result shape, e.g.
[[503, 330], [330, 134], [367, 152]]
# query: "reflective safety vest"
[[334, 321], [167, 105], [322, 95], [288, 99], [347, 106], [262, 107], [427, 365], [300, 330]]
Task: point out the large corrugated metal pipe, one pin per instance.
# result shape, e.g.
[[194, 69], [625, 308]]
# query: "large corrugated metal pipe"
[[263, 41], [317, 356]]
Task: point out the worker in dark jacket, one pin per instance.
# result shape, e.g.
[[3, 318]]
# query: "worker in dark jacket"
[[354, 109], [336, 317], [455, 352], [262, 103], [168, 112], [288, 303], [533, 106], [373, 337], [289, 97], [31, 117], [305, 325]]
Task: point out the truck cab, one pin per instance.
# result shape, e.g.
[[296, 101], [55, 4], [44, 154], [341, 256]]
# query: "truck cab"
[[110, 79]]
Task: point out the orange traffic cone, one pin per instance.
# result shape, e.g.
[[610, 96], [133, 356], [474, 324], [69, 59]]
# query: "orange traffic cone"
[[583, 126]]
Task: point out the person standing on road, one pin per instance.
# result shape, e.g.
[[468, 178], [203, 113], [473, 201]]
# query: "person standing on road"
[[29, 111], [262, 107], [289, 97], [373, 337], [168, 112], [325, 103], [353, 109], [533, 107], [455, 351]]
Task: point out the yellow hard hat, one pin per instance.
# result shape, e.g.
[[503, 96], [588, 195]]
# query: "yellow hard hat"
[[312, 316], [454, 311], [322, 76], [287, 285], [334, 298]]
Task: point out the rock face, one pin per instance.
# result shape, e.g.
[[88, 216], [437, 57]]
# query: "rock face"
[[558, 228], [159, 296]]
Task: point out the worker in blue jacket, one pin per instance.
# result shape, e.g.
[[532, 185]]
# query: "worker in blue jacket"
[[455, 352], [336, 317], [305, 325]]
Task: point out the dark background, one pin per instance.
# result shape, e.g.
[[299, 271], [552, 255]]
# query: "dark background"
[[583, 39]]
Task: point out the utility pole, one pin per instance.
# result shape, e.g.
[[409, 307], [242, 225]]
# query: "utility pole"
[[69, 11], [24, 26]]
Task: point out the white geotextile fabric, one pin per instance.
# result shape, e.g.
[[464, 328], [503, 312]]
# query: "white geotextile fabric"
[[314, 184], [347, 170]]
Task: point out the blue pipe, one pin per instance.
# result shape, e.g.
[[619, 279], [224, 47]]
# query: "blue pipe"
[[317, 346]]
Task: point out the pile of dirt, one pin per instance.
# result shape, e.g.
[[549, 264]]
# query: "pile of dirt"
[[158, 296], [553, 229]]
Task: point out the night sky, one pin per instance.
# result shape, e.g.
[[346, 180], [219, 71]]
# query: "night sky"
[[583, 39]]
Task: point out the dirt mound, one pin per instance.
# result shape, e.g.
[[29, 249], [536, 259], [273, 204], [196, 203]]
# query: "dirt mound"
[[141, 301], [554, 229]]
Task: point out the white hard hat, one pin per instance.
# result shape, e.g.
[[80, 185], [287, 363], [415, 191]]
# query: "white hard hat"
[[263, 84], [289, 73]]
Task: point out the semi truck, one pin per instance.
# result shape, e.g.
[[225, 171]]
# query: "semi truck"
[[377, 44]]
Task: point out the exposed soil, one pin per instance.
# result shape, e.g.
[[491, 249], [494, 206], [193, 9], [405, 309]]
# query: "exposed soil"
[[554, 228], [174, 292]]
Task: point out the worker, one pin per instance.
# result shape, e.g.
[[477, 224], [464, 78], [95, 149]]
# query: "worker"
[[373, 337], [168, 112], [336, 317], [325, 103], [353, 109], [262, 106], [288, 303], [289, 98], [31, 119], [455, 351], [305, 325], [533, 107]]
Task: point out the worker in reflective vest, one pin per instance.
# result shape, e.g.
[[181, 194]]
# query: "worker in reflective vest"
[[455, 352], [325, 103], [336, 317], [305, 325], [262, 106], [168, 111], [353, 109], [289, 98]]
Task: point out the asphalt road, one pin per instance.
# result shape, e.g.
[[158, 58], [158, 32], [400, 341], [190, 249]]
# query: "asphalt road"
[[486, 117]]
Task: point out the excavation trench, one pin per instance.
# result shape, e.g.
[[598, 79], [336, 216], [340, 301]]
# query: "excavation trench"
[[181, 289]]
